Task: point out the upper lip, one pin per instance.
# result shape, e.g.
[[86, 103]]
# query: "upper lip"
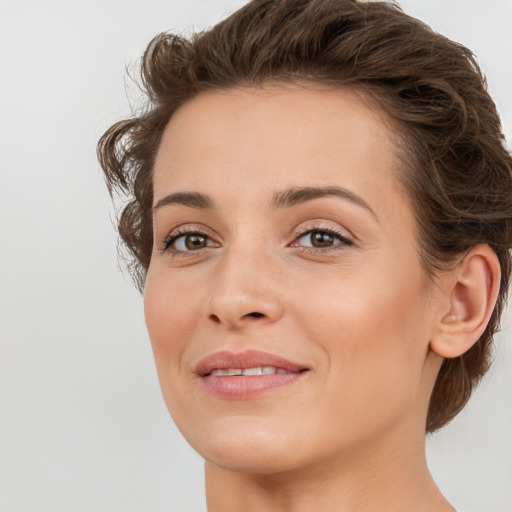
[[247, 359]]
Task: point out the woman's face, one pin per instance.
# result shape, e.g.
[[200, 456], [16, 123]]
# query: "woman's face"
[[284, 245]]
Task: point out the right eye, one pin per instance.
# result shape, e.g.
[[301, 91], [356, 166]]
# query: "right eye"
[[186, 242]]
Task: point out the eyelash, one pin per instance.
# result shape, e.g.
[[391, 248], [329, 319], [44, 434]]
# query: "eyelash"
[[172, 238], [343, 240]]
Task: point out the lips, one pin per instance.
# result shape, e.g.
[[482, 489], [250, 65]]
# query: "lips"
[[247, 374], [244, 360]]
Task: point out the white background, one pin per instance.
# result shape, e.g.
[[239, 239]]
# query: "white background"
[[82, 424]]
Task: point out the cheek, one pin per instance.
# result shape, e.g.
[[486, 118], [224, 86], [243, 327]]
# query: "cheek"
[[170, 320], [170, 308], [374, 332]]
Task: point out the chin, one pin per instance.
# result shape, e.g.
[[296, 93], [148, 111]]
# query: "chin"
[[246, 445], [251, 461]]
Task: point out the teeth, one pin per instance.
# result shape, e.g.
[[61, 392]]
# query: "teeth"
[[253, 371], [258, 370], [229, 371]]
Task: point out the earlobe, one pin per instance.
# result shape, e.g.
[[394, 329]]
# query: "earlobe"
[[471, 290]]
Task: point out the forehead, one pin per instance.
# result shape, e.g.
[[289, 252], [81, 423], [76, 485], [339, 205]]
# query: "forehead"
[[253, 141]]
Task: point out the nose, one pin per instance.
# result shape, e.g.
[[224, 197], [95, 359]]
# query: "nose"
[[245, 291]]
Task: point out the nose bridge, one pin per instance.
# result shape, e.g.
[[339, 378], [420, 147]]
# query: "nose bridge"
[[244, 288]]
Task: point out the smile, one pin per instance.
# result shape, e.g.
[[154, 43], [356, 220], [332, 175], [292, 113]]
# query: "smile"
[[258, 370], [247, 374]]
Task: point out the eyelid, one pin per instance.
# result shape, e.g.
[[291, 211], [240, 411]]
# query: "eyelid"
[[318, 225], [346, 238], [184, 230]]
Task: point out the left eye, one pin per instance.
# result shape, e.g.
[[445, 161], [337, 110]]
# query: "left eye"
[[321, 239]]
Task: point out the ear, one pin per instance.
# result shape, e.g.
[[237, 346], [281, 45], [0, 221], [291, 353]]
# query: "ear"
[[470, 292]]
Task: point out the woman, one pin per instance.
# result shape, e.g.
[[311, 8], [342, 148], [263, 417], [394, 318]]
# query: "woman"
[[320, 220]]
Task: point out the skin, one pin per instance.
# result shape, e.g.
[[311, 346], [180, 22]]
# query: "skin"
[[360, 312]]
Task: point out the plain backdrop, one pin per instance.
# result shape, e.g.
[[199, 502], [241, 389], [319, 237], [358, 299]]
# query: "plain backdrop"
[[83, 426]]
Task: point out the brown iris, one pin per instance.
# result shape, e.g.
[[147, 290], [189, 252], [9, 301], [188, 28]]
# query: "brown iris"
[[193, 242], [321, 239]]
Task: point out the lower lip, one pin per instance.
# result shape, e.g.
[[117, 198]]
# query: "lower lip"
[[248, 386]]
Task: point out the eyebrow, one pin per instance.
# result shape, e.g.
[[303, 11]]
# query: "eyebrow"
[[298, 195], [191, 199], [283, 199]]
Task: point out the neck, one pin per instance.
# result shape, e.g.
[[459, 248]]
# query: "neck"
[[383, 476]]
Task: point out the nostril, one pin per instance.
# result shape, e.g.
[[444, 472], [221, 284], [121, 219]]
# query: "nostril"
[[215, 319], [228, 320]]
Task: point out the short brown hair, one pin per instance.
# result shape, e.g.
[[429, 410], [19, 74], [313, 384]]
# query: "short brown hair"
[[456, 168]]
